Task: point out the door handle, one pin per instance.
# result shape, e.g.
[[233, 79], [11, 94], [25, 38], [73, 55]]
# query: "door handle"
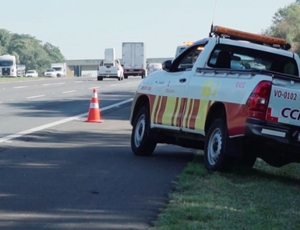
[[182, 80]]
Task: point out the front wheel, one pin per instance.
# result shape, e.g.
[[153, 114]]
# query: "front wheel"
[[141, 143], [215, 158]]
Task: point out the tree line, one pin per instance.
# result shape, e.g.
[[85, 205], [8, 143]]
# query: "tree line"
[[286, 25], [29, 51]]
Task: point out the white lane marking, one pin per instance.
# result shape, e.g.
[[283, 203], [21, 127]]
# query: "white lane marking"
[[35, 96], [70, 91], [77, 81], [46, 126], [60, 83], [20, 87]]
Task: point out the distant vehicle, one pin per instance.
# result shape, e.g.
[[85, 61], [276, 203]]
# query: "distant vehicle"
[[8, 66], [21, 70], [181, 48], [152, 67], [60, 69], [110, 67], [50, 73], [31, 73], [134, 59]]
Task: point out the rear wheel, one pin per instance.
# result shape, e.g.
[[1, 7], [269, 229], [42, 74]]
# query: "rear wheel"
[[215, 158], [125, 76], [100, 78], [141, 143]]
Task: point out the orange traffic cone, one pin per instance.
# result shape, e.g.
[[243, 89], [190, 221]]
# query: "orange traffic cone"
[[94, 111]]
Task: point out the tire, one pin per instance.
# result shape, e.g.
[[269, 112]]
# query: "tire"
[[125, 76], [119, 78], [141, 143], [215, 158], [100, 78]]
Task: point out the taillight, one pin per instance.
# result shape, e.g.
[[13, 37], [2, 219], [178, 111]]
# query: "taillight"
[[258, 101]]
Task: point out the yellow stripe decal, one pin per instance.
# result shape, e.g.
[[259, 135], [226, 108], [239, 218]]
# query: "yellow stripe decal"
[[200, 121], [153, 114], [170, 106]]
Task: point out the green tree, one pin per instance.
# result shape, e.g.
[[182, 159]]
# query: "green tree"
[[31, 52], [4, 40], [286, 24], [53, 52]]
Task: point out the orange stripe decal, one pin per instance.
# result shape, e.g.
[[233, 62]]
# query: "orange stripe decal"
[[181, 111], [175, 112], [161, 110], [156, 109], [194, 114], [187, 115]]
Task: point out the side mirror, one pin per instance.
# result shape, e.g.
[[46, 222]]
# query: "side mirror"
[[166, 65]]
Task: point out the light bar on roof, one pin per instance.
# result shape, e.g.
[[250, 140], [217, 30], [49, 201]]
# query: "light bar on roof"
[[187, 43], [237, 34]]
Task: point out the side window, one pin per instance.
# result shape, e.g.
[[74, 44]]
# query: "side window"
[[188, 59], [220, 59], [240, 58]]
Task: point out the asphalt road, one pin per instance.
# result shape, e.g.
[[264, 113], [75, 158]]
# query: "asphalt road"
[[29, 104], [82, 175]]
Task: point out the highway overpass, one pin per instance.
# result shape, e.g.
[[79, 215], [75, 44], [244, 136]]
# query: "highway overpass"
[[76, 67]]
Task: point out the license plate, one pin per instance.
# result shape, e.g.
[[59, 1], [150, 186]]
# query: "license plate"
[[107, 71]]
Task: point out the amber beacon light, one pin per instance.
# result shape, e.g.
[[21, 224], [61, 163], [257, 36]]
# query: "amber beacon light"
[[237, 34]]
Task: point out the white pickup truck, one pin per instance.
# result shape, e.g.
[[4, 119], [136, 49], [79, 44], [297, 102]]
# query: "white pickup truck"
[[234, 94], [110, 67]]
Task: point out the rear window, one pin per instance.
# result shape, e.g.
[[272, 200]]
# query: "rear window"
[[233, 57], [108, 64]]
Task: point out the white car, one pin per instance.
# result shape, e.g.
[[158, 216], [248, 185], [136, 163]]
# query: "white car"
[[152, 67], [110, 69], [31, 73], [50, 73]]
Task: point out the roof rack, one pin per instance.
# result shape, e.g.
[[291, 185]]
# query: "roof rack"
[[219, 31]]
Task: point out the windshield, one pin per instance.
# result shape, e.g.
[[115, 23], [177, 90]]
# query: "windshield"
[[30, 71], [57, 68], [6, 63], [50, 70], [234, 57]]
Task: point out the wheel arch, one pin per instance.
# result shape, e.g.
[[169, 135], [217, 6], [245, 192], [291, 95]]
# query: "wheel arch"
[[142, 101], [217, 110]]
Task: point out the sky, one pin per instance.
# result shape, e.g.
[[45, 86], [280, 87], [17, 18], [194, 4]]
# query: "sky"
[[82, 29]]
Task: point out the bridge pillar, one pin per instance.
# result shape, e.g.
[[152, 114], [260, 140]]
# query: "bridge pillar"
[[78, 71]]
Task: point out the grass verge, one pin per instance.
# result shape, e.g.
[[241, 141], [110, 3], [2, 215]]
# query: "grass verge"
[[259, 198]]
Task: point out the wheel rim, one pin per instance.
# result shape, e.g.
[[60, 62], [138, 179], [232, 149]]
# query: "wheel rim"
[[214, 147], [139, 130]]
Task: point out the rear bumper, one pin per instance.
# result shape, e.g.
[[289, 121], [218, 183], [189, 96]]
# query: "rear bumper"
[[107, 76], [134, 72], [267, 138]]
